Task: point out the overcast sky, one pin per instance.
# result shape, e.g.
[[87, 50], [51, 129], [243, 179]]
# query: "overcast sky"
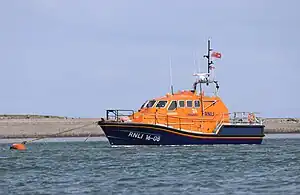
[[78, 58]]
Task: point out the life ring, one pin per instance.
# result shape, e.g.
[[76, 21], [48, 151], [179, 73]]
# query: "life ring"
[[125, 119], [251, 118]]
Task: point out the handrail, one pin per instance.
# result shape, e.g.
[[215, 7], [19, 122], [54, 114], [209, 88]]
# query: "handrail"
[[221, 119], [201, 118], [116, 113], [243, 112], [245, 118], [197, 123]]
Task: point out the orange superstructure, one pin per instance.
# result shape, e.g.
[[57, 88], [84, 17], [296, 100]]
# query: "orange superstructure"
[[184, 110]]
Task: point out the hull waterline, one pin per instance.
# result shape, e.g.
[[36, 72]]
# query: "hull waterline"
[[147, 134]]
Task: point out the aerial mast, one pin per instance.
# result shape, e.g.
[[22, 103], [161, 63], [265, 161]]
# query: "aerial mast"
[[208, 56], [171, 77], [205, 77]]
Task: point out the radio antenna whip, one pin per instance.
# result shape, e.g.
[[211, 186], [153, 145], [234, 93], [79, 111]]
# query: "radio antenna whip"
[[171, 78]]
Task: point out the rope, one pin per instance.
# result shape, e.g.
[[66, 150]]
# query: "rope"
[[67, 130], [87, 137]]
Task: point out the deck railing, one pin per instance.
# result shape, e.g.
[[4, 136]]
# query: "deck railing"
[[245, 118], [117, 115], [214, 122]]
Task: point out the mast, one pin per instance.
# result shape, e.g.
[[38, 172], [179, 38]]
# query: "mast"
[[201, 100], [209, 63], [205, 77], [208, 56]]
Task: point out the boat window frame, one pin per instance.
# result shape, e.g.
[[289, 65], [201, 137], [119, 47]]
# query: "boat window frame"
[[178, 104], [154, 104], [161, 101], [187, 104], [195, 104], [171, 104], [144, 105]]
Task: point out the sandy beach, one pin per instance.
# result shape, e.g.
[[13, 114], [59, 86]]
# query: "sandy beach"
[[37, 127]]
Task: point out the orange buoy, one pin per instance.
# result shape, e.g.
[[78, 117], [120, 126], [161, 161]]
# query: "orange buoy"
[[18, 147]]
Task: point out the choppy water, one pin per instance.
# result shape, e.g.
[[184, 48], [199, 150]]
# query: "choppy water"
[[97, 168]]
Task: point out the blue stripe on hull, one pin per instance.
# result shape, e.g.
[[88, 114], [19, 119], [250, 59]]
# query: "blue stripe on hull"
[[242, 130], [128, 134]]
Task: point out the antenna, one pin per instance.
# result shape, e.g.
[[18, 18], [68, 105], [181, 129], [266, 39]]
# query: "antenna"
[[208, 56], [209, 62], [195, 63], [171, 78]]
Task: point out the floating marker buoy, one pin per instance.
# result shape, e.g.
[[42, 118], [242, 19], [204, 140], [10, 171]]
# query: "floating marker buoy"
[[18, 147]]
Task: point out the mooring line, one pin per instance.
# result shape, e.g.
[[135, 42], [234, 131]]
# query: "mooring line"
[[22, 146], [87, 137], [55, 134]]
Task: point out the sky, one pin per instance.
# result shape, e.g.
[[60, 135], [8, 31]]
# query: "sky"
[[78, 58]]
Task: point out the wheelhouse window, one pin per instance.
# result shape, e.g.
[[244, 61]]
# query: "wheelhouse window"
[[161, 104], [189, 103], [150, 103], [173, 105], [181, 104], [144, 105], [197, 103]]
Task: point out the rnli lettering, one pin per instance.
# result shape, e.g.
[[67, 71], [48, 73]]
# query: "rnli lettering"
[[209, 113], [136, 135], [155, 138]]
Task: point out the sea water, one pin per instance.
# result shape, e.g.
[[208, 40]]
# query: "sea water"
[[72, 166]]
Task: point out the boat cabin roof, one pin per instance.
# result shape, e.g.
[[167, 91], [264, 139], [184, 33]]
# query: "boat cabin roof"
[[187, 99]]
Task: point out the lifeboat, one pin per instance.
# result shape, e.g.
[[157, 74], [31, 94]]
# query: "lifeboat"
[[185, 117]]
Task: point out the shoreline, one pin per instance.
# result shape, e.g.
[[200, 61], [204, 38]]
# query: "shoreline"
[[104, 139], [35, 127]]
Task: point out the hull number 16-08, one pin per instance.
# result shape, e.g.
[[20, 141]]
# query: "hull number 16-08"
[[155, 138]]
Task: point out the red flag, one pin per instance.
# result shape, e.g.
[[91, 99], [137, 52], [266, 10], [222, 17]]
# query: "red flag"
[[216, 54]]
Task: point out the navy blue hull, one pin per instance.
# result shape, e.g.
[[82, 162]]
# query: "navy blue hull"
[[147, 134]]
